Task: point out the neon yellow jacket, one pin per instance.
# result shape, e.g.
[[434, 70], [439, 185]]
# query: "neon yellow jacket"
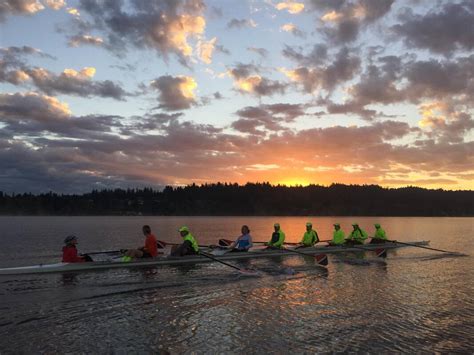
[[277, 240], [358, 235], [310, 238], [338, 237], [193, 242], [380, 234]]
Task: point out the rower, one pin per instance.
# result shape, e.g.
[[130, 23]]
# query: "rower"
[[337, 235], [357, 236], [189, 246], [149, 250], [70, 251], [310, 237], [244, 242], [380, 236], [278, 237]]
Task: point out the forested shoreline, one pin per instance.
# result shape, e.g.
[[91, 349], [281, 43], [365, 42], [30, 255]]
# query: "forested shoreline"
[[259, 199]]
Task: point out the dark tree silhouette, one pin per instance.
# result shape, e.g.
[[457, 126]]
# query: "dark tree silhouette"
[[251, 199]]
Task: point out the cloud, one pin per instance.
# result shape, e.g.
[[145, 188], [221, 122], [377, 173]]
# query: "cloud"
[[266, 118], [15, 70], [72, 82], [342, 21], [175, 93], [104, 151], [291, 6], [262, 52], [247, 80], [289, 27], [168, 27], [205, 50], [342, 68], [76, 41], [435, 79], [19, 7], [55, 4], [242, 23], [444, 122], [442, 30]]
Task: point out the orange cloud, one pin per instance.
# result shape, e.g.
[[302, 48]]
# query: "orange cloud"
[[290, 6]]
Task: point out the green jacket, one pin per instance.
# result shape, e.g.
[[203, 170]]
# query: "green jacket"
[[358, 235], [380, 234], [193, 242], [310, 238], [278, 238], [338, 237]]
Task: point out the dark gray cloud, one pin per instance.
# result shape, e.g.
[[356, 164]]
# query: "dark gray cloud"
[[343, 20], [163, 26], [240, 23], [262, 52], [436, 79], [76, 83], [442, 30], [248, 80], [343, 67], [174, 94], [15, 70], [266, 118], [78, 40]]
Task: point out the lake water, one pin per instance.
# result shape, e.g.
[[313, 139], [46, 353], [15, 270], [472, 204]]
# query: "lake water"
[[415, 300]]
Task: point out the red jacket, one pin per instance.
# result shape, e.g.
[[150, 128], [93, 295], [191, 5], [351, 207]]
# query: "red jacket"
[[70, 255]]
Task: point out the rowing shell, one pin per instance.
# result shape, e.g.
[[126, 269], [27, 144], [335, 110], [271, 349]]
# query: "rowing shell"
[[193, 259]]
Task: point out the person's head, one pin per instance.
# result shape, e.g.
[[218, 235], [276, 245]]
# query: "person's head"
[[337, 226], [355, 226], [309, 226], [245, 229], [146, 230], [70, 240], [377, 226], [184, 231], [277, 227]]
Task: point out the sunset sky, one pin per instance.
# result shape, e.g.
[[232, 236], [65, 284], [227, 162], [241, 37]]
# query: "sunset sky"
[[105, 94]]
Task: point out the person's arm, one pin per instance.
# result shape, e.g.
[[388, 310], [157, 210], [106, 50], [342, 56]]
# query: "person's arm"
[[316, 237], [280, 241]]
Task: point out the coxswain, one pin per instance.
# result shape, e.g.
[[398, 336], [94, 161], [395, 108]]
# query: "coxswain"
[[149, 250], [338, 237], [357, 236], [244, 242], [70, 251], [278, 237], [310, 237], [379, 236], [189, 245]]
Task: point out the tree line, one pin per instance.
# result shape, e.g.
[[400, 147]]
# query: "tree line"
[[260, 199]]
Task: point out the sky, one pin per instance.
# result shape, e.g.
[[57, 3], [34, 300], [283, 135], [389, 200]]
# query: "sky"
[[133, 93]]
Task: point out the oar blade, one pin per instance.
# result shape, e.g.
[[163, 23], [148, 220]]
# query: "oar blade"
[[321, 259], [381, 252], [225, 242]]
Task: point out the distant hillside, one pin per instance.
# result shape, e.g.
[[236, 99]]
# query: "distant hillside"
[[250, 199]]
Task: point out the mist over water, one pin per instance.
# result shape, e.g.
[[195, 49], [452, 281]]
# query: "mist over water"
[[414, 300]]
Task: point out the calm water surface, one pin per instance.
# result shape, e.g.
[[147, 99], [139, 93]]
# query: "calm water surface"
[[413, 301]]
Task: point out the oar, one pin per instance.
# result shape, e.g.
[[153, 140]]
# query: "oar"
[[242, 271], [421, 246], [104, 252], [161, 244], [321, 259]]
